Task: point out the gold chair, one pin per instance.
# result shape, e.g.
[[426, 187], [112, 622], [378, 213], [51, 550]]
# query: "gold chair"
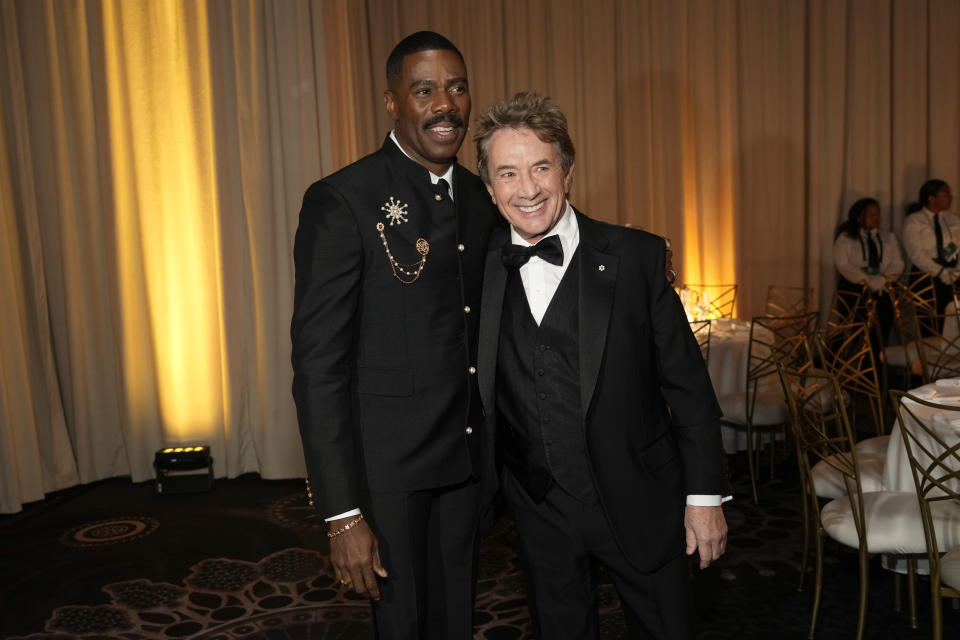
[[761, 407], [938, 345], [852, 306], [933, 448], [701, 331], [716, 300], [846, 352], [787, 301], [823, 435], [915, 298], [916, 290]]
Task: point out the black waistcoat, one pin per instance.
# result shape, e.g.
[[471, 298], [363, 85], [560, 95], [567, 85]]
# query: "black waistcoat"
[[538, 391]]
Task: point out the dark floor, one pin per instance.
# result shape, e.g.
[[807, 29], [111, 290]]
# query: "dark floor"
[[115, 560]]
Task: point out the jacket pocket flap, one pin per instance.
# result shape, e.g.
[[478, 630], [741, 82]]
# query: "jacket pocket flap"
[[662, 451]]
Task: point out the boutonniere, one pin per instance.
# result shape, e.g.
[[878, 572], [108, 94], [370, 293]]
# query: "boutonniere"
[[948, 252], [396, 212]]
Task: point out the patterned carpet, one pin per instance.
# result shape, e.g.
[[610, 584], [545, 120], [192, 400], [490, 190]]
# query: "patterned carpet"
[[116, 561]]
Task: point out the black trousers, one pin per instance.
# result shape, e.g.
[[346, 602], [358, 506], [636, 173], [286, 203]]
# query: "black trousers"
[[563, 541], [428, 545]]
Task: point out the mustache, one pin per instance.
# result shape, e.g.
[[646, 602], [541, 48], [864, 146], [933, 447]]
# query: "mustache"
[[450, 118]]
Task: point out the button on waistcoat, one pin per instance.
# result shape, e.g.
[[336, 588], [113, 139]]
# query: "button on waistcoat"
[[538, 382]]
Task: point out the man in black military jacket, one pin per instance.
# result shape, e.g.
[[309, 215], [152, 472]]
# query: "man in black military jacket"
[[389, 259]]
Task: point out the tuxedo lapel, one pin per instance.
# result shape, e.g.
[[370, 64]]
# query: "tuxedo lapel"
[[494, 285], [598, 278]]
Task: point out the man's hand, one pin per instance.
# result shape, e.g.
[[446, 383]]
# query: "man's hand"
[[356, 557], [707, 531]]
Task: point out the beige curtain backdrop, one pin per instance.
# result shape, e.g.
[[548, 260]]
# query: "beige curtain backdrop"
[[153, 154]]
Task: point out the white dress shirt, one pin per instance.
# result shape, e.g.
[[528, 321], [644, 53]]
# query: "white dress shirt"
[[434, 178], [920, 241], [541, 280], [850, 257]]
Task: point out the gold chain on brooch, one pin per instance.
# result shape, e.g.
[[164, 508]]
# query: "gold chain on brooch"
[[411, 271]]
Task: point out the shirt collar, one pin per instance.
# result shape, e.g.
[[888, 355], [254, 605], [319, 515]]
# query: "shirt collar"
[[567, 228], [434, 178]]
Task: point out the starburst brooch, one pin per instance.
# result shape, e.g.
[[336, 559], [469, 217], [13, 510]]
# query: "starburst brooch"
[[396, 212]]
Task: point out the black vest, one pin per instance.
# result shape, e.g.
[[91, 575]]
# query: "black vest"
[[538, 391]]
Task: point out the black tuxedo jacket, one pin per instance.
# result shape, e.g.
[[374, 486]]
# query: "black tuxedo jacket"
[[382, 376], [650, 417]]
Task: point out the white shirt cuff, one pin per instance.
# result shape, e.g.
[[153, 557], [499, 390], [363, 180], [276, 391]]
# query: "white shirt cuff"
[[697, 500], [345, 514]]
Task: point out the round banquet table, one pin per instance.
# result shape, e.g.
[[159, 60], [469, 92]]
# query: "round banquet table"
[[727, 365], [897, 475]]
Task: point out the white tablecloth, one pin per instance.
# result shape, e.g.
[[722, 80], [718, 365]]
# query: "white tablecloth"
[[727, 364], [897, 475]]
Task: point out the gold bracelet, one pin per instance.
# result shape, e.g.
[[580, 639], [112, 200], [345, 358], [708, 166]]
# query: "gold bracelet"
[[346, 527]]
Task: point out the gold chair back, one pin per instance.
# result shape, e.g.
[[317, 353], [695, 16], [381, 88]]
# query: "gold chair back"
[[849, 307], [934, 455], [939, 345], [787, 301], [701, 331], [716, 300], [772, 340], [916, 297], [823, 433], [845, 351], [779, 339], [824, 436]]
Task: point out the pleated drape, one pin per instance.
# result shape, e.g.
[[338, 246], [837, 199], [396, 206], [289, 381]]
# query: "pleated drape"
[[153, 154]]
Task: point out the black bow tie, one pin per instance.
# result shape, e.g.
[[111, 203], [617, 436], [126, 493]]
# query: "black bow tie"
[[515, 256]]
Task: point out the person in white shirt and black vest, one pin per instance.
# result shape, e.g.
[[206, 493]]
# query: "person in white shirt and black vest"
[[931, 237], [605, 418], [865, 255]]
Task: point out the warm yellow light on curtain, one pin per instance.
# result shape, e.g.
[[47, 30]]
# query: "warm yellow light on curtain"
[[162, 148], [709, 248]]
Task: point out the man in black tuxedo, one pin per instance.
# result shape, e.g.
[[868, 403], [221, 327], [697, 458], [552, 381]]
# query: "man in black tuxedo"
[[389, 259], [605, 416]]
